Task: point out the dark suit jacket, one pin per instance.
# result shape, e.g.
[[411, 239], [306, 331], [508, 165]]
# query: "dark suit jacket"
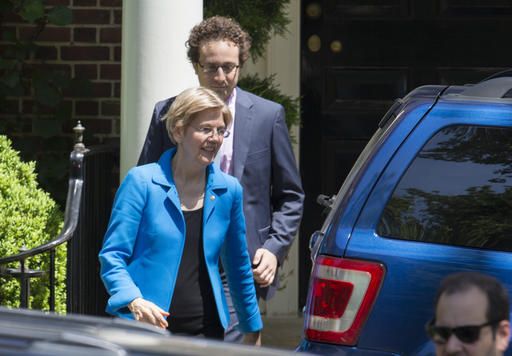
[[263, 162]]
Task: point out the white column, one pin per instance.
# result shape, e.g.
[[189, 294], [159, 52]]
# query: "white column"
[[154, 64], [283, 59]]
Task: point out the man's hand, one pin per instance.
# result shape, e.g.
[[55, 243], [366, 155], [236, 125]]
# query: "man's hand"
[[252, 339], [265, 266], [145, 311]]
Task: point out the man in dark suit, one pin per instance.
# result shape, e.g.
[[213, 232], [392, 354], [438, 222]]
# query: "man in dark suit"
[[258, 152]]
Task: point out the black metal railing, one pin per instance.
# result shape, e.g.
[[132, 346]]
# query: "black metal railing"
[[86, 294], [71, 214]]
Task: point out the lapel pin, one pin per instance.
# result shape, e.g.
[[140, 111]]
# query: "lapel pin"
[[212, 197]]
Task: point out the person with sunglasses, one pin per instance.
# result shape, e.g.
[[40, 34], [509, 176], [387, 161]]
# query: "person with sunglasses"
[[471, 316], [258, 152]]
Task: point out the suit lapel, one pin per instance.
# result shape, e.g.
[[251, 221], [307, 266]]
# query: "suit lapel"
[[243, 132]]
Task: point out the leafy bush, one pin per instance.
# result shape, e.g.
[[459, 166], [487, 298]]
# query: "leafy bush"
[[268, 89], [28, 218], [260, 18]]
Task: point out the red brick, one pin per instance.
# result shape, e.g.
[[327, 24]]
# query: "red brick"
[[47, 53], [97, 90], [91, 17], [111, 108], [10, 107], [84, 34], [86, 71], [118, 17], [11, 17], [117, 54], [111, 3], [87, 108], [110, 71], [57, 2], [93, 53], [49, 34], [66, 68], [110, 35], [30, 106], [55, 34], [4, 49], [6, 29], [85, 3], [13, 124], [101, 90], [92, 126], [117, 90]]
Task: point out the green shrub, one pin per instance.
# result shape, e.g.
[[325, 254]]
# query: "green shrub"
[[28, 218], [268, 89], [260, 18]]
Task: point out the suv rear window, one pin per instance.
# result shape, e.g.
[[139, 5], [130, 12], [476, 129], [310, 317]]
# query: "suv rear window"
[[457, 191]]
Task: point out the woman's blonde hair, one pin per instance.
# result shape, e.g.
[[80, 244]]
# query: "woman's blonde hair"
[[190, 102]]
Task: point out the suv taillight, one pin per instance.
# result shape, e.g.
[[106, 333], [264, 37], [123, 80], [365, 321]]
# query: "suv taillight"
[[341, 295]]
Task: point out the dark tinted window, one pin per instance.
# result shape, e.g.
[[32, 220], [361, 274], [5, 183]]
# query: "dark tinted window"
[[457, 191]]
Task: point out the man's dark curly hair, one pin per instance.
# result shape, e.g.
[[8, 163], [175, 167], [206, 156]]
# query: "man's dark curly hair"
[[218, 28]]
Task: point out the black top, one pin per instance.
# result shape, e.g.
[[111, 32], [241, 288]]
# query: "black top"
[[193, 295]]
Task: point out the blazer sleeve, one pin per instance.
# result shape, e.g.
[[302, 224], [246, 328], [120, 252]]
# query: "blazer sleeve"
[[237, 265], [119, 243], [287, 196]]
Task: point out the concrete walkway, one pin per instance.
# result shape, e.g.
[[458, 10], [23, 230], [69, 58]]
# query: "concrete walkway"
[[282, 332]]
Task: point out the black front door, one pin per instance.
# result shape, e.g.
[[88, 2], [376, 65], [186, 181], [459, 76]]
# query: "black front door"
[[358, 56]]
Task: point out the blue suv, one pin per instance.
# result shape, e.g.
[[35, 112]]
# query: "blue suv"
[[431, 194]]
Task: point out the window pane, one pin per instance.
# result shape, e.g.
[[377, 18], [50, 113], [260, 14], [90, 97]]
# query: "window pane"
[[457, 191]]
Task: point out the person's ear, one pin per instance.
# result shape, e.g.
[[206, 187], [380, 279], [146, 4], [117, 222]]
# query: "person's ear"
[[178, 134], [503, 335], [196, 68]]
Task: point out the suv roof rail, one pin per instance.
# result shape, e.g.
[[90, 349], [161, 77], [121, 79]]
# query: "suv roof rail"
[[499, 87], [503, 73]]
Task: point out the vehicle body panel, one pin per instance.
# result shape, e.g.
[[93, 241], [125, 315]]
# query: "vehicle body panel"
[[414, 269]]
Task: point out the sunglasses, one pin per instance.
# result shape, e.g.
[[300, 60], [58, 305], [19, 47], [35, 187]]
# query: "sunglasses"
[[468, 334]]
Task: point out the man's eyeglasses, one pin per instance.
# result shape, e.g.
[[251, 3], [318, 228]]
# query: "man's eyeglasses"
[[210, 68], [468, 334], [211, 131]]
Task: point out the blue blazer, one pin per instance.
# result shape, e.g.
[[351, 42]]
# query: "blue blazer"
[[263, 162], [144, 242]]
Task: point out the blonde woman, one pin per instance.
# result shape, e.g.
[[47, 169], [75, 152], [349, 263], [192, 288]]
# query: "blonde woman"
[[170, 223]]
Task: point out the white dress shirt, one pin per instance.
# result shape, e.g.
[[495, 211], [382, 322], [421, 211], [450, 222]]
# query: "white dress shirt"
[[225, 155]]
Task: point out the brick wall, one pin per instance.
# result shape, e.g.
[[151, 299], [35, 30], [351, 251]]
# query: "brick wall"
[[88, 48]]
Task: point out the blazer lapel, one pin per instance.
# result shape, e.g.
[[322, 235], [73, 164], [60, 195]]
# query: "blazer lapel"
[[243, 132], [214, 185], [164, 178]]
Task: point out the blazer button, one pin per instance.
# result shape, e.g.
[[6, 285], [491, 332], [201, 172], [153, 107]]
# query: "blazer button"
[[212, 197]]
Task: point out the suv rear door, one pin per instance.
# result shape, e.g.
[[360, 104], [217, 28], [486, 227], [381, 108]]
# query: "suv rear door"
[[442, 204]]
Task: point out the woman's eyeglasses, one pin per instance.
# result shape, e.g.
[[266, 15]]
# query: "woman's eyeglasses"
[[211, 131], [467, 334], [211, 68]]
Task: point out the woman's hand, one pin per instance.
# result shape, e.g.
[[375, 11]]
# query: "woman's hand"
[[252, 338], [145, 311]]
